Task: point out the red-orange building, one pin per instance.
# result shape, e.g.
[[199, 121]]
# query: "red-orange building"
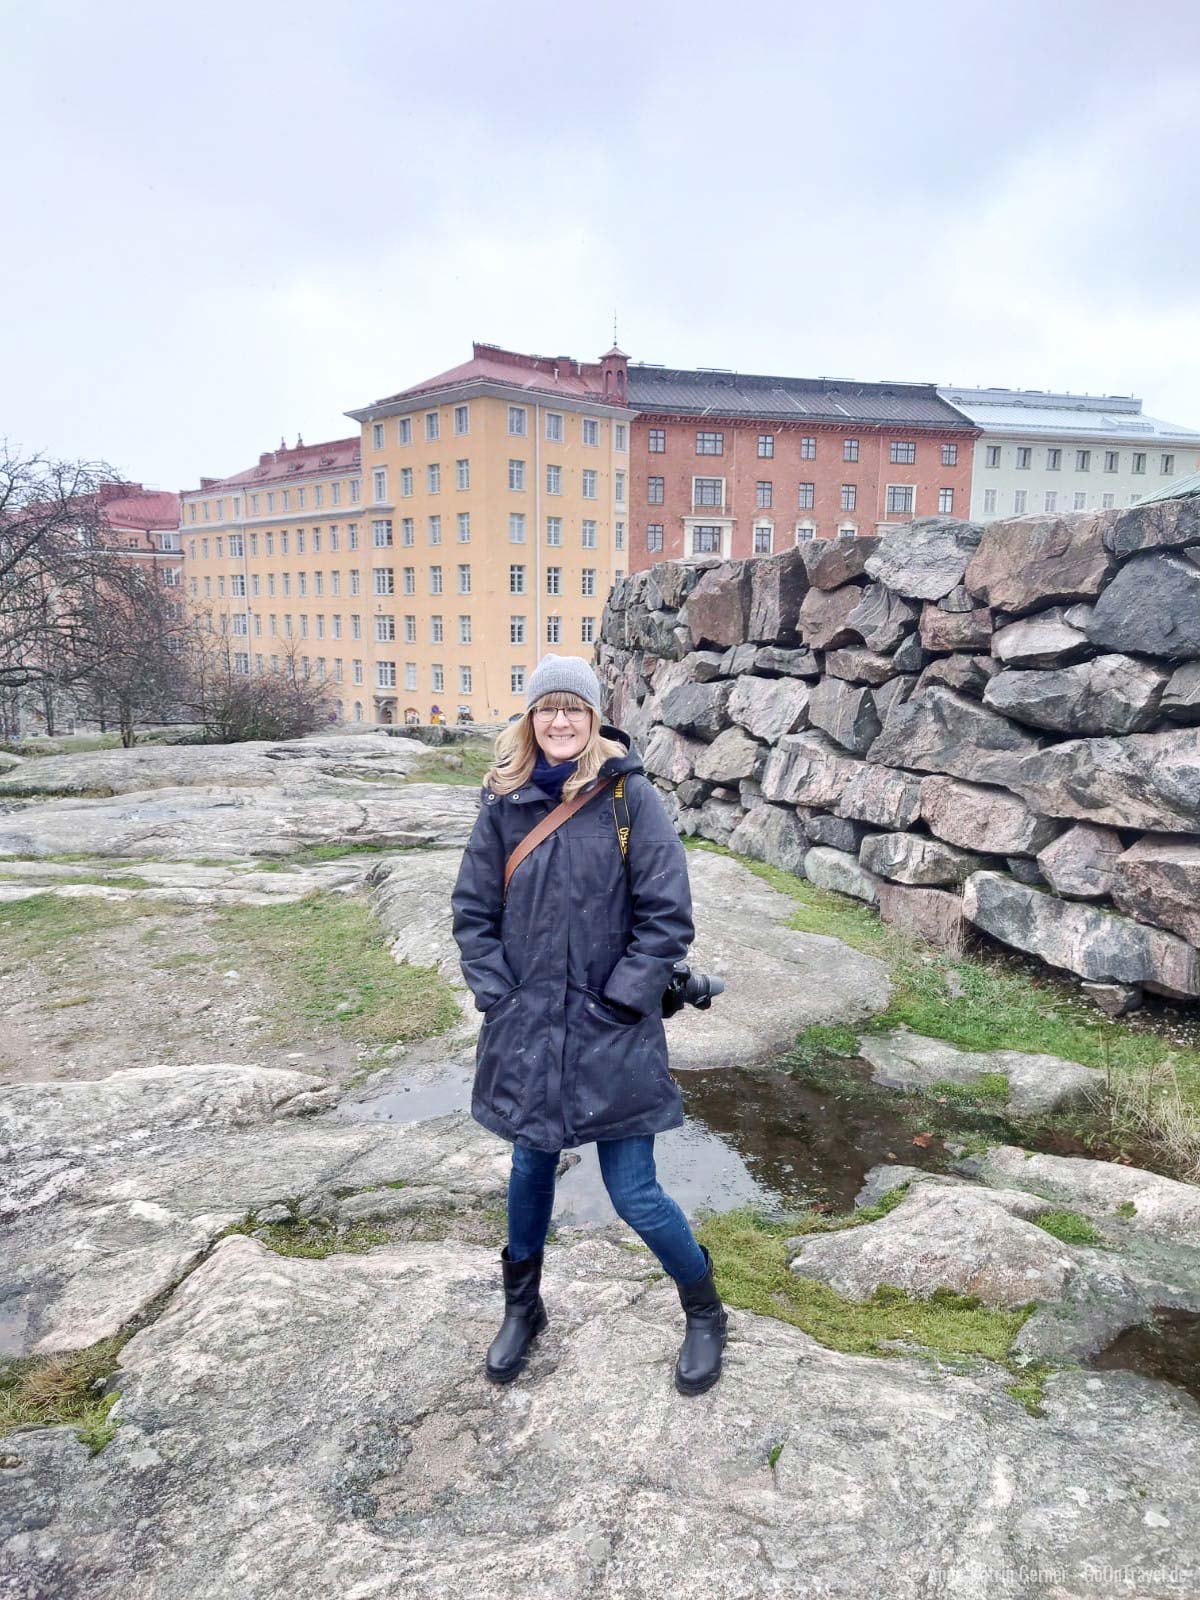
[[728, 464]]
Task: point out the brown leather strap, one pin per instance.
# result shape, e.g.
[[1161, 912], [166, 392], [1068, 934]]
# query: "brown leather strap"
[[543, 829]]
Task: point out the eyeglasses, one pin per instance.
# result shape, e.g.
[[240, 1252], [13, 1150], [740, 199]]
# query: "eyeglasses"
[[548, 715]]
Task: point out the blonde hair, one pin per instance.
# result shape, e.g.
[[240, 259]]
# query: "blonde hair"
[[517, 748]]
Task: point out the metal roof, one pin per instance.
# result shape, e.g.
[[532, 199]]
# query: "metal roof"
[[1178, 489], [706, 391], [1093, 419]]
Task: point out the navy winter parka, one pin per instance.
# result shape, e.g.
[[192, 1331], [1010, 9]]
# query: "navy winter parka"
[[555, 1064]]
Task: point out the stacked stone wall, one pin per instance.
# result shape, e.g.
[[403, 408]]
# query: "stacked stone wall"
[[991, 727]]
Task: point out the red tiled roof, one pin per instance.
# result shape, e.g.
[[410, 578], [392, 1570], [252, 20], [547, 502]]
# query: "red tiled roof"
[[546, 374], [142, 508], [283, 465]]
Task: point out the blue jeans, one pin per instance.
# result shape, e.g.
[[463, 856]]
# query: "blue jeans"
[[627, 1167]]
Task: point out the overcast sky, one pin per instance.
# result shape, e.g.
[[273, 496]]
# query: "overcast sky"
[[229, 222]]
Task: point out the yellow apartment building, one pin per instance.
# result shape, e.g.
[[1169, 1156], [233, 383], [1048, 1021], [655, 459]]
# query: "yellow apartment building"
[[477, 522]]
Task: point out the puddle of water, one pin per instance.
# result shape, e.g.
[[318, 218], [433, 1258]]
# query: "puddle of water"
[[1168, 1347], [751, 1136]]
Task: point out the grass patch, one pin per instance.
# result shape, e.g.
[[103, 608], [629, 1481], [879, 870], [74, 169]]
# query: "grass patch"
[[106, 879], [46, 1390], [70, 744], [463, 764], [310, 1238], [751, 1259], [33, 929], [68, 1001], [820, 1041], [990, 1088], [1068, 1226], [984, 1001], [1127, 1209], [326, 960]]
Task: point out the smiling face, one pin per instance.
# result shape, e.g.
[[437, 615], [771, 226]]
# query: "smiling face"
[[562, 732]]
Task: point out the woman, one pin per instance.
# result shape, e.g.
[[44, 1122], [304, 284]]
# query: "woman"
[[569, 973]]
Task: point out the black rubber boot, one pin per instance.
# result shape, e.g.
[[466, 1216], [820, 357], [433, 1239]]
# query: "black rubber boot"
[[524, 1317], [699, 1363]]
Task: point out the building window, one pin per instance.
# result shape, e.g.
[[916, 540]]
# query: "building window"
[[849, 496], [946, 501], [516, 680], [407, 534], [589, 478], [654, 536], [1167, 465], [355, 490], [620, 436], [554, 427], [903, 452], [464, 527], [553, 480], [553, 530], [1020, 497], [379, 483], [553, 630], [384, 579], [710, 444], [335, 494], [762, 539], [516, 580], [462, 419], [435, 580], [899, 499], [1053, 459], [1139, 461], [433, 425], [708, 492], [657, 442], [410, 628], [766, 444], [464, 577], [587, 630], [516, 527], [1080, 499], [404, 430], [1107, 502], [433, 478], [405, 482], [464, 629], [410, 580], [1112, 461], [410, 675], [1024, 457], [993, 455], [516, 630], [352, 536], [516, 420], [516, 474], [588, 531], [618, 536], [435, 530], [381, 533], [377, 436], [1051, 502], [989, 500], [849, 449], [619, 488], [706, 541], [949, 455], [808, 447], [1083, 461], [464, 680], [762, 494], [554, 580], [590, 431], [805, 500], [587, 585], [385, 629], [655, 488], [436, 631]]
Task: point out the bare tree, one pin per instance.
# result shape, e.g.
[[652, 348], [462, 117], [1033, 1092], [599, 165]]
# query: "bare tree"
[[231, 702], [135, 666]]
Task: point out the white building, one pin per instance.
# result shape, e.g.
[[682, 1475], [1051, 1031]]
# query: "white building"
[[1067, 452]]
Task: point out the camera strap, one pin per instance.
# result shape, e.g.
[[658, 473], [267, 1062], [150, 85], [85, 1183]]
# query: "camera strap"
[[561, 813]]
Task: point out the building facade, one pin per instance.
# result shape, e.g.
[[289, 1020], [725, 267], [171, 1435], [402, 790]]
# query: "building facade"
[[1041, 452], [735, 465], [477, 520], [497, 498]]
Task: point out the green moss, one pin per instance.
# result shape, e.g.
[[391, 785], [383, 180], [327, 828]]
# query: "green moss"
[[310, 1238], [1068, 1226], [818, 1042], [1127, 1209], [50, 1390], [774, 1453], [752, 1272], [1030, 1390], [326, 960]]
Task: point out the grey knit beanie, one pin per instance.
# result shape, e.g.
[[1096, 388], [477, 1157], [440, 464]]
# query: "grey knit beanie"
[[570, 673]]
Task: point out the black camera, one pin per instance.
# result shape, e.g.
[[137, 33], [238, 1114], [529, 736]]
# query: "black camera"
[[688, 988]]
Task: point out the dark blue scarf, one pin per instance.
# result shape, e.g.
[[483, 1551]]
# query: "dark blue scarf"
[[550, 777]]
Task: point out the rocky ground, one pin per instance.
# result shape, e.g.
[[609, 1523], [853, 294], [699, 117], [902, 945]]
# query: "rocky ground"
[[319, 1424]]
